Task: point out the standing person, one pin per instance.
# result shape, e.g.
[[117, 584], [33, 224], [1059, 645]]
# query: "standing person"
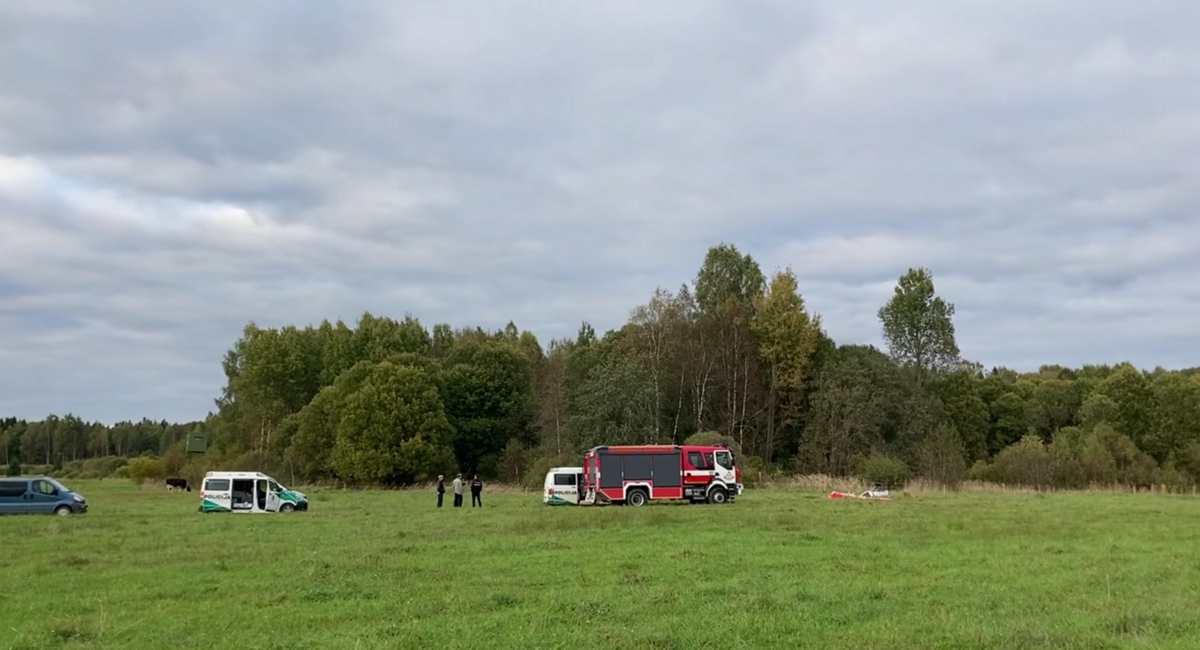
[[476, 488], [458, 491], [441, 488]]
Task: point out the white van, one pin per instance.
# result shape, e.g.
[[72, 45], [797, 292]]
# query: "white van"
[[247, 492], [563, 485]]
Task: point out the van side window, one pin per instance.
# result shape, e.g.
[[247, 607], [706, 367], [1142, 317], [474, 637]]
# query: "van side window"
[[216, 485], [12, 488], [564, 479], [43, 487]]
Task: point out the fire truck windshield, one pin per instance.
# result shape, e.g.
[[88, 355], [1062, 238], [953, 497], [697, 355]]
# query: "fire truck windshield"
[[725, 459]]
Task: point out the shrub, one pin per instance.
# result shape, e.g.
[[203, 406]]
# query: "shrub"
[[1111, 457], [144, 468], [714, 438], [539, 461], [511, 462], [1142, 471], [1068, 472], [942, 456], [891, 472], [200, 464], [110, 464], [1172, 479], [1072, 437], [754, 470], [174, 459], [1097, 461], [256, 461], [1189, 461], [982, 472], [1025, 463]]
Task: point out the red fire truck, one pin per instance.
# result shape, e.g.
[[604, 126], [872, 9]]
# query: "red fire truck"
[[637, 474]]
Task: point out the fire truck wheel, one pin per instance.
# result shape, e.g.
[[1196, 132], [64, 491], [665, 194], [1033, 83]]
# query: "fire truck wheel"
[[637, 498], [718, 495]]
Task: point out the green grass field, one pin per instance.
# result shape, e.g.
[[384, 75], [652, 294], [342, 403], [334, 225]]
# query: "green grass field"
[[776, 569]]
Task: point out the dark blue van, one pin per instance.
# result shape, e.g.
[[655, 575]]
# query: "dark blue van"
[[21, 495]]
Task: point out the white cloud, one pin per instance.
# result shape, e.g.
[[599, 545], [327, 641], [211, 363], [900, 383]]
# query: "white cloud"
[[170, 172]]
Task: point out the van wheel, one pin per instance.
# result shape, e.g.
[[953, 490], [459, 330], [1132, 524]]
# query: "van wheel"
[[287, 507], [637, 498], [718, 495], [62, 511]]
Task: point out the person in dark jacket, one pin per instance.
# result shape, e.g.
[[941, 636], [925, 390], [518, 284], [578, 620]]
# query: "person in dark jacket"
[[476, 489], [441, 489]]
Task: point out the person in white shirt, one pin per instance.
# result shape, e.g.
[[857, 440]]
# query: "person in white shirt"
[[458, 484]]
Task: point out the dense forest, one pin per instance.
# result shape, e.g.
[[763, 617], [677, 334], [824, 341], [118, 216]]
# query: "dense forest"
[[735, 356]]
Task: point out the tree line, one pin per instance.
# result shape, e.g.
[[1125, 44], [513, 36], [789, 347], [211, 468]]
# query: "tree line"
[[734, 355]]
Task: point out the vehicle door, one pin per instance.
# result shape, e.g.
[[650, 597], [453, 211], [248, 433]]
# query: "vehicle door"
[[274, 501], [216, 494], [724, 466], [261, 494], [565, 487], [571, 489], [14, 496], [43, 498], [697, 468]]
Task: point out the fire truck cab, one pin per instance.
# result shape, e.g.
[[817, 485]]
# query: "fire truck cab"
[[637, 474]]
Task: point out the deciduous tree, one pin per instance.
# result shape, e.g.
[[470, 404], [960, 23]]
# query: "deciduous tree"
[[966, 411], [488, 392], [855, 409], [942, 456], [918, 326], [393, 428], [786, 337], [726, 288], [1176, 416]]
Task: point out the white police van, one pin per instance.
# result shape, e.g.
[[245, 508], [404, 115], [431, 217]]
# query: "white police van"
[[247, 492], [562, 486]]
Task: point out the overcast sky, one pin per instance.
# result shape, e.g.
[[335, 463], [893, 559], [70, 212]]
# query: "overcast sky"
[[172, 170]]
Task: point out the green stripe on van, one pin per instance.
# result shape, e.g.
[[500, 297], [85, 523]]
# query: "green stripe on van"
[[211, 506]]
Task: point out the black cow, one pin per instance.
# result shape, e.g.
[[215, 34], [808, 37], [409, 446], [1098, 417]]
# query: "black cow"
[[180, 483]]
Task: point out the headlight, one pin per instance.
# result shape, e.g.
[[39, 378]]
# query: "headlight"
[[79, 498]]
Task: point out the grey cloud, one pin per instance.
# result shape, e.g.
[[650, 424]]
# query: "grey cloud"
[[170, 172]]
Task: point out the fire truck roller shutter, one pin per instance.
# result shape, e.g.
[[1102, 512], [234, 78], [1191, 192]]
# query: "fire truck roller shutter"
[[667, 471], [610, 470], [637, 467]]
